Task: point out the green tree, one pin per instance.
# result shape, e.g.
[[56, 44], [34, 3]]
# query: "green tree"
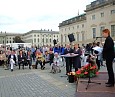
[[18, 39]]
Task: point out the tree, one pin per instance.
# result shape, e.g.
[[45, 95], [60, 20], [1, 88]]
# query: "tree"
[[18, 39]]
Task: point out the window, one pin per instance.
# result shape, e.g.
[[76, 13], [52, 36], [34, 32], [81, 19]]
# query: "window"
[[54, 35], [83, 37], [38, 35], [77, 37], [112, 11], [50, 40], [61, 38], [34, 40], [57, 40], [10, 41], [7, 41], [112, 30], [3, 41], [102, 14], [65, 38], [101, 29], [34, 35], [38, 39], [94, 32], [82, 25], [46, 40], [93, 17], [77, 26], [43, 40]]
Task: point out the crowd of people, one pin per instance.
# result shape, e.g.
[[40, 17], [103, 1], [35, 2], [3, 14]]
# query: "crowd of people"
[[47, 54], [52, 55]]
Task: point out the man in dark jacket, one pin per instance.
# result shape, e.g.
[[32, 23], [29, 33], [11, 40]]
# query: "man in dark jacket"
[[108, 55], [68, 60], [51, 57]]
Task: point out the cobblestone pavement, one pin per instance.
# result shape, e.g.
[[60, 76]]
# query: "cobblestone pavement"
[[39, 83]]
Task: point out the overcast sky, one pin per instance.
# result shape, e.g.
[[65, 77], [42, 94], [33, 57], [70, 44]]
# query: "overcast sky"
[[21, 16]]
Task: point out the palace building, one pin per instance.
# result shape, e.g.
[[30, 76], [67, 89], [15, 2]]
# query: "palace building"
[[87, 27]]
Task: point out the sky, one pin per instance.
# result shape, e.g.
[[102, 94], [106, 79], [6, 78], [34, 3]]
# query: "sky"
[[21, 16]]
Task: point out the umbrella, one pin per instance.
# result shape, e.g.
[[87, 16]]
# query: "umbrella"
[[97, 48]]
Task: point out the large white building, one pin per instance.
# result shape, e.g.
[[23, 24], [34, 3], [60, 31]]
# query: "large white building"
[[8, 37], [36, 37], [98, 15], [41, 37]]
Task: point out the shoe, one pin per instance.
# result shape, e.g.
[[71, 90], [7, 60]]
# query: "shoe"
[[11, 70], [110, 85], [43, 68], [107, 83]]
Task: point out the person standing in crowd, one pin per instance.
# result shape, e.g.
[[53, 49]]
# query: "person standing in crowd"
[[51, 56], [77, 59], [108, 55], [56, 49], [21, 59], [29, 59], [68, 60], [33, 53], [12, 59], [98, 56]]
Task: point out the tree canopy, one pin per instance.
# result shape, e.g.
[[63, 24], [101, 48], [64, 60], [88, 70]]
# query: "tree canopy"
[[18, 39]]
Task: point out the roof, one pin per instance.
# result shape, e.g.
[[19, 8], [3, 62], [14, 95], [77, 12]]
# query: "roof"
[[42, 31]]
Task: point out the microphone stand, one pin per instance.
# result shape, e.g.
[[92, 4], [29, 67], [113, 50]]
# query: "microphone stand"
[[89, 80]]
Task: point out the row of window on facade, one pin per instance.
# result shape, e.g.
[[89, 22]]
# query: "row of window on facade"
[[93, 17], [44, 35], [78, 26], [43, 40], [102, 14], [101, 29], [7, 42]]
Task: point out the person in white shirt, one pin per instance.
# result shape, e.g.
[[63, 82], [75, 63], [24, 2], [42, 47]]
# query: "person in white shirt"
[[12, 60]]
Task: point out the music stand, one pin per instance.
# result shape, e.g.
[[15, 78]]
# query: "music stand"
[[89, 80]]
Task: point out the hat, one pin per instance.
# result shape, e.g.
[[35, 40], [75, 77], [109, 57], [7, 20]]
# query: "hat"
[[55, 53]]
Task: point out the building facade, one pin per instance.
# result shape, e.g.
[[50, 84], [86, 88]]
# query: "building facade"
[[8, 37], [41, 37], [100, 14]]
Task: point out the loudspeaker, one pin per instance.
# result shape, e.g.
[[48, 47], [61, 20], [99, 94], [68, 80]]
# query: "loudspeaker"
[[71, 37]]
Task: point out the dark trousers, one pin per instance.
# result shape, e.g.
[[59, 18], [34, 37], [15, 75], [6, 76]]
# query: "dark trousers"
[[40, 62], [109, 64], [1, 62], [98, 63], [68, 65], [22, 65], [29, 63]]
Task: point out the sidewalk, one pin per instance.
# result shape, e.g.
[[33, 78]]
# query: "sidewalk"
[[40, 83]]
